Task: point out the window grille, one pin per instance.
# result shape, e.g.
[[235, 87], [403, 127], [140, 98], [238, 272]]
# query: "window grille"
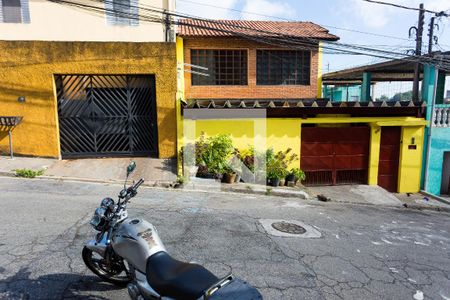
[[283, 67], [225, 67], [122, 12]]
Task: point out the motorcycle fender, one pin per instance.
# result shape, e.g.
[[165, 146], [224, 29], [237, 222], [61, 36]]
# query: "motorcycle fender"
[[136, 240], [98, 247]]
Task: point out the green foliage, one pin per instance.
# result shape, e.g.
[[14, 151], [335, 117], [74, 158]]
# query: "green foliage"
[[28, 173], [397, 97], [181, 179], [277, 163], [211, 154], [215, 152], [299, 174]]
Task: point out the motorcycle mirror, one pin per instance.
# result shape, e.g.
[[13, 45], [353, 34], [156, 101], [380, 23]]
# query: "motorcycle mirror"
[[131, 168]]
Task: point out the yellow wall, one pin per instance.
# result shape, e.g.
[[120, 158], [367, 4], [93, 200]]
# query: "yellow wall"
[[27, 69], [374, 153], [286, 133], [180, 97], [410, 160], [319, 71]]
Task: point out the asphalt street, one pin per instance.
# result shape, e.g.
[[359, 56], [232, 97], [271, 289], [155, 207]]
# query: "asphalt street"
[[364, 252]]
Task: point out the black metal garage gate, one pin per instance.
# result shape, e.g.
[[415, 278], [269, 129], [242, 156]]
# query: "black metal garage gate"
[[107, 115]]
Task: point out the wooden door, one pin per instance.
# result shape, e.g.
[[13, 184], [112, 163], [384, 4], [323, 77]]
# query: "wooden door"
[[389, 158]]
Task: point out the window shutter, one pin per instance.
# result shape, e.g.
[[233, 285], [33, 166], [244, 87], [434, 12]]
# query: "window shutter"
[[134, 11], [109, 7], [25, 11]]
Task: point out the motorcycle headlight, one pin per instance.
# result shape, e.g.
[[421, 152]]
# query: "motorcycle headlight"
[[98, 221], [107, 203]]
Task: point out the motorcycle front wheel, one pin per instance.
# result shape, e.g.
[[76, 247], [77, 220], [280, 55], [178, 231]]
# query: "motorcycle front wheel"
[[116, 273]]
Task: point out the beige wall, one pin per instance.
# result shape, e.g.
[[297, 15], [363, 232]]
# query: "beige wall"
[[57, 22]]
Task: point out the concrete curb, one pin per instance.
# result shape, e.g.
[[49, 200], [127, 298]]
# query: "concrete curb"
[[440, 199], [414, 206], [151, 183]]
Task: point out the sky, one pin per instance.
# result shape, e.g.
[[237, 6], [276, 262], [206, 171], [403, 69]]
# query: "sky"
[[333, 14]]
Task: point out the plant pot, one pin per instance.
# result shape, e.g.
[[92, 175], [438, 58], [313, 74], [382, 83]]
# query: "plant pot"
[[192, 171], [229, 177], [274, 181], [282, 182], [290, 177]]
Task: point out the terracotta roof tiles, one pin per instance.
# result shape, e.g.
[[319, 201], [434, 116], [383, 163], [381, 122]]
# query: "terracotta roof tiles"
[[227, 28]]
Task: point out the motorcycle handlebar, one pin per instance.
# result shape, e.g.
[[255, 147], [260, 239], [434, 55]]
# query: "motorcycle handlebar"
[[137, 184]]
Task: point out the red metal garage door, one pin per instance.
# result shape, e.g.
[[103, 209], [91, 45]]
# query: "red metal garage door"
[[389, 155], [335, 155]]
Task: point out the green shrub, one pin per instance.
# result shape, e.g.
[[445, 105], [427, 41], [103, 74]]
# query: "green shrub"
[[299, 174], [277, 163], [213, 153], [28, 173]]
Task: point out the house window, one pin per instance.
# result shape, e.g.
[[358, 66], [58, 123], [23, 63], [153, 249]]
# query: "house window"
[[122, 12], [224, 67], [14, 11], [283, 67]]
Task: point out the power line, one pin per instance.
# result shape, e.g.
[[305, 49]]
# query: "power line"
[[279, 39], [291, 20], [443, 13], [310, 42]]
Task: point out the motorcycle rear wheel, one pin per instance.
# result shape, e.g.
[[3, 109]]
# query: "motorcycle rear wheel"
[[98, 266]]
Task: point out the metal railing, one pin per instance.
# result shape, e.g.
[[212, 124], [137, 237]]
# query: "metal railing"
[[8, 123], [441, 115]]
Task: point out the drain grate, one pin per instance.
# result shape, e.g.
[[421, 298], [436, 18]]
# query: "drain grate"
[[288, 227]]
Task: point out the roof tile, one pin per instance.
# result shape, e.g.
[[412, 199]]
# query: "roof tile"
[[227, 28]]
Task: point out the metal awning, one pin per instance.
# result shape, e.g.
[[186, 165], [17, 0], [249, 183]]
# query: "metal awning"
[[301, 108], [392, 70]]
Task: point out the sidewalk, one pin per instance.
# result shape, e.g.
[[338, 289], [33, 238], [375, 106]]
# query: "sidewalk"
[[208, 185], [375, 195], [161, 172], [154, 171]]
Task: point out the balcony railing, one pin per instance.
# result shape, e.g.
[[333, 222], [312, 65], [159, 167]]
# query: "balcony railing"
[[441, 115]]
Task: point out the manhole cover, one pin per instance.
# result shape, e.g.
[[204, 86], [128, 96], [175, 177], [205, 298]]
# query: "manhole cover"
[[289, 227]]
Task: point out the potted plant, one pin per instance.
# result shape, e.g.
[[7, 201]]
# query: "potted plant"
[[295, 174], [212, 154], [229, 176], [277, 163]]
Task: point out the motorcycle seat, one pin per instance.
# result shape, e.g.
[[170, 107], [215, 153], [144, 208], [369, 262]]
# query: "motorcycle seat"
[[176, 279]]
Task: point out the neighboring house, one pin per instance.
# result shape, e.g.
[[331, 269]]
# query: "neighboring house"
[[88, 82], [241, 67], [257, 91], [435, 144], [436, 170]]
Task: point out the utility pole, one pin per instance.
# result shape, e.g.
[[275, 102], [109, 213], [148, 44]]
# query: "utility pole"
[[167, 26], [418, 51], [430, 36]]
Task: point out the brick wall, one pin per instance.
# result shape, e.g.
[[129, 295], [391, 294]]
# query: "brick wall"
[[251, 90]]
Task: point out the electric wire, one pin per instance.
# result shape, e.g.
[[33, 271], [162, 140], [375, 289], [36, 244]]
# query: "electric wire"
[[279, 39]]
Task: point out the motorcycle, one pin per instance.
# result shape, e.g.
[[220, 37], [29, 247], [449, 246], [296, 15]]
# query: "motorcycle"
[[128, 252]]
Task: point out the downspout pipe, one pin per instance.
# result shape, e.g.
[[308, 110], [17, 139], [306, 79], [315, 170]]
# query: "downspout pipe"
[[433, 101]]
